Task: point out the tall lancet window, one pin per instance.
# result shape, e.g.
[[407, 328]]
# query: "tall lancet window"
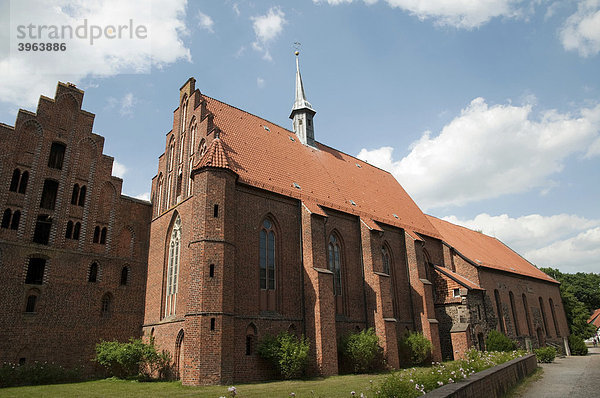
[[385, 258], [267, 256], [334, 264], [173, 268]]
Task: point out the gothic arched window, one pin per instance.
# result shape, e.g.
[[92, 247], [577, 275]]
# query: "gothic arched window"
[[267, 256], [385, 259], [173, 268], [334, 262]]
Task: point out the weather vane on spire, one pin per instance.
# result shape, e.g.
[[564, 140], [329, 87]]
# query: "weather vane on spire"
[[297, 45]]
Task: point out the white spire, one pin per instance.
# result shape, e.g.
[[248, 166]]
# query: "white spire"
[[302, 112], [300, 101]]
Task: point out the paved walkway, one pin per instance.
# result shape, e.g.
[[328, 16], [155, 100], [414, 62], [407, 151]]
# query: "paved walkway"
[[572, 377]]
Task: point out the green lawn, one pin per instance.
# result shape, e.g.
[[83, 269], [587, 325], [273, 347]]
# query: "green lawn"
[[335, 386]]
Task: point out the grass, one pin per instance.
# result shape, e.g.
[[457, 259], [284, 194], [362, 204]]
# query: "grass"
[[334, 386]]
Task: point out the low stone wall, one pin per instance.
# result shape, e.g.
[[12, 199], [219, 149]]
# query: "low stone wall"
[[490, 383]]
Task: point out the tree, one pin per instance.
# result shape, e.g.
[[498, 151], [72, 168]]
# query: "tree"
[[580, 294]]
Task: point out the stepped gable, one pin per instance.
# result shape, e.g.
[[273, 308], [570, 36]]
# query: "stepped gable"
[[270, 157], [485, 251]]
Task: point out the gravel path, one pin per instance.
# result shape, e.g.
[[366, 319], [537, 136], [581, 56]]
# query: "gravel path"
[[571, 377]]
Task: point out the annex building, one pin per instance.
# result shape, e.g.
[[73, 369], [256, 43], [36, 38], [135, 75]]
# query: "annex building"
[[253, 229]]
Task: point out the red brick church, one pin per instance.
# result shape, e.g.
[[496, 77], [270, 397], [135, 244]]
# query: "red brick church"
[[253, 229]]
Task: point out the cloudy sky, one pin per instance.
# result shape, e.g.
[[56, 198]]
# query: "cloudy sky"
[[487, 112]]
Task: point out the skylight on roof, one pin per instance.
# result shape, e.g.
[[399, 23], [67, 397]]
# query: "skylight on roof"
[[352, 202], [266, 128], [296, 185], [395, 215], [292, 139], [358, 165]]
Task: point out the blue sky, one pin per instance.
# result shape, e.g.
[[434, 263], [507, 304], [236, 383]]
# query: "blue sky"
[[487, 112]]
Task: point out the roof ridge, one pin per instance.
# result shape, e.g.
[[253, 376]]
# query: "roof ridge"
[[291, 132]]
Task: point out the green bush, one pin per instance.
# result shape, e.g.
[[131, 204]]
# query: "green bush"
[[415, 348], [362, 351], [545, 354], [36, 373], [132, 359], [577, 345], [497, 341], [288, 353], [415, 382]]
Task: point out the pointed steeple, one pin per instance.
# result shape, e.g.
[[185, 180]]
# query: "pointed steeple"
[[302, 112]]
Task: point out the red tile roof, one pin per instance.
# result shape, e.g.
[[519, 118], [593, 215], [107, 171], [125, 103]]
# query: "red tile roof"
[[215, 156], [270, 157], [486, 251], [595, 318], [458, 278]]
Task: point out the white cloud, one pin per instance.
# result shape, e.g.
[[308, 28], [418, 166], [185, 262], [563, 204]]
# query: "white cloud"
[[581, 31], [260, 82], [119, 170], [490, 151], [27, 74], [143, 196], [267, 27], [236, 9], [465, 14], [569, 242], [124, 105], [205, 22]]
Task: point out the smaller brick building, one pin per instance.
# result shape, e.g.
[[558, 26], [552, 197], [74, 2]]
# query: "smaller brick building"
[[73, 250], [485, 285]]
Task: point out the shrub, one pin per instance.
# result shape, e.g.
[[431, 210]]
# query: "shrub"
[[415, 382], [577, 345], [415, 348], [36, 373], [497, 341], [362, 351], [545, 354], [288, 353], [132, 359]]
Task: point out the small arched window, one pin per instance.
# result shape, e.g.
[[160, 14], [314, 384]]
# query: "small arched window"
[[267, 255], [24, 181], [6, 218], [106, 305], [385, 260], [93, 275], [124, 276], [250, 339], [69, 231], [159, 195], [173, 268], [76, 230], [171, 154], [184, 106], [96, 234], [14, 182], [334, 263], [202, 147], [82, 192], [75, 194], [181, 147], [32, 299], [103, 236], [57, 155], [16, 218]]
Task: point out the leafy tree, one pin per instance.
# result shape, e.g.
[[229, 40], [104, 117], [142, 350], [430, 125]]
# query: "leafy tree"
[[580, 294]]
